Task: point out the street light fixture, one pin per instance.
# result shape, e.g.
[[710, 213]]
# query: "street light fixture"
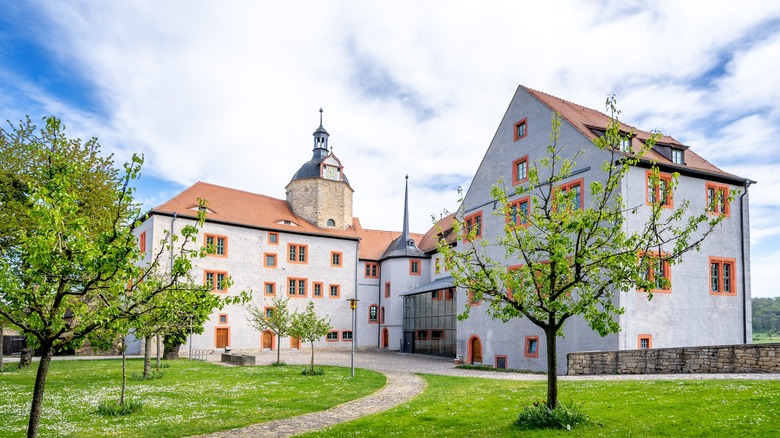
[[353, 306]]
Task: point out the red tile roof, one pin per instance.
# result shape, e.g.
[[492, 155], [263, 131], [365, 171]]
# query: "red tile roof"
[[443, 228], [238, 207], [583, 118]]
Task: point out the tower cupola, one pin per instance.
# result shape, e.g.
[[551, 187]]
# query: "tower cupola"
[[320, 141]]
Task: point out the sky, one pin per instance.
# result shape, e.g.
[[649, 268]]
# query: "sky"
[[229, 92]]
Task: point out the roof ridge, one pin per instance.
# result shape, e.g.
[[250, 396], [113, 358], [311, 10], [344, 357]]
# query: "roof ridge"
[[577, 105]]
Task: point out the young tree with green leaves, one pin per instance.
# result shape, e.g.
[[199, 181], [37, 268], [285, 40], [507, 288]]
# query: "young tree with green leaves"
[[569, 261], [306, 326], [72, 258], [276, 318]]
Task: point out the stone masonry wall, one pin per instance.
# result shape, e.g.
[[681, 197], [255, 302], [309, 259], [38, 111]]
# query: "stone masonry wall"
[[758, 358]]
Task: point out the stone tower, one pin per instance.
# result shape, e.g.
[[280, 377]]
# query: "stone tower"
[[319, 191]]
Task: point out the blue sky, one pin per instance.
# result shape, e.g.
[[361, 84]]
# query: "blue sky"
[[229, 93]]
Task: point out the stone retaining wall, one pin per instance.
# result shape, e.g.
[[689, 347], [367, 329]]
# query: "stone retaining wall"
[[758, 358]]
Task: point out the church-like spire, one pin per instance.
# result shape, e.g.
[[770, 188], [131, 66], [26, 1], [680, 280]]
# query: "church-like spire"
[[405, 235], [321, 141]]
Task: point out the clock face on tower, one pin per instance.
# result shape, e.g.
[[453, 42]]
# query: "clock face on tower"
[[330, 172]]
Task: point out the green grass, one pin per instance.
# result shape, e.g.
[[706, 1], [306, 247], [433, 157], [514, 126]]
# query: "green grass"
[[765, 338], [465, 407], [192, 398]]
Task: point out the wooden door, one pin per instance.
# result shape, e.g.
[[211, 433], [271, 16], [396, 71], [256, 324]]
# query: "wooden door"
[[268, 341], [385, 338], [295, 343], [222, 337], [476, 351]]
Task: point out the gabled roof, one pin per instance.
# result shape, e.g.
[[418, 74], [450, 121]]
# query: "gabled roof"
[[443, 228], [583, 119], [237, 207], [373, 243]]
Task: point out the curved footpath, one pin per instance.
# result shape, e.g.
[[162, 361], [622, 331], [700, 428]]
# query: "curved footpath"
[[403, 385], [400, 388]]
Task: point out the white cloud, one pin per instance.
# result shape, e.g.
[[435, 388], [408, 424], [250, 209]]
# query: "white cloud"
[[229, 92]]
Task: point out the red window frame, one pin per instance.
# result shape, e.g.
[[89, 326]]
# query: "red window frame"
[[527, 348], [514, 206], [216, 281], [652, 193], [474, 220], [297, 253], [714, 193], [215, 238], [273, 288], [296, 287], [372, 270], [667, 272], [415, 267], [516, 179], [336, 259], [516, 132], [644, 337], [720, 263]]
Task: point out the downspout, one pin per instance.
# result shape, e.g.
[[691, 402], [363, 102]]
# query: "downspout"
[[744, 267], [381, 313], [171, 237]]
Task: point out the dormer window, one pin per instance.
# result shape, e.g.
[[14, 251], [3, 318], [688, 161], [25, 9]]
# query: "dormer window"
[[521, 129], [331, 223], [625, 144], [677, 156]]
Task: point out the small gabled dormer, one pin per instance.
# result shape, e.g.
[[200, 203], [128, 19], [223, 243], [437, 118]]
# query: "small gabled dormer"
[[672, 152]]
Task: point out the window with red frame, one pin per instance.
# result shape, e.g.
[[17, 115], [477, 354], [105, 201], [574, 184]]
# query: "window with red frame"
[[372, 270], [335, 259], [218, 243], [373, 314], [414, 267], [722, 276], [658, 268], [518, 212], [717, 199], [297, 253], [521, 129], [574, 187], [473, 222], [659, 191], [644, 342], [215, 280], [296, 287], [531, 346], [520, 170], [387, 290]]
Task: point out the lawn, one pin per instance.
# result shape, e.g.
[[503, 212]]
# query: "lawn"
[[765, 338], [466, 407], [191, 398]]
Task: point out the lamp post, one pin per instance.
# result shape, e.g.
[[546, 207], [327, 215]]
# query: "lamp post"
[[353, 306], [190, 337]]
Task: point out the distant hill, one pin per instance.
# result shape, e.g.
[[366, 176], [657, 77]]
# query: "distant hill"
[[766, 314]]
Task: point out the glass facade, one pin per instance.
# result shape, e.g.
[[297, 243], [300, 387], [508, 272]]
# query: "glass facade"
[[429, 322]]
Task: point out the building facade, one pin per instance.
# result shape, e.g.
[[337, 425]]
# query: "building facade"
[[708, 302], [310, 248]]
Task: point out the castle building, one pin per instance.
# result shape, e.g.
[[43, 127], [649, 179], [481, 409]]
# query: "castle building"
[[708, 302], [310, 248]]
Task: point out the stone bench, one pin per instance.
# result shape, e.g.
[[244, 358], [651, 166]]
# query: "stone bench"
[[238, 359]]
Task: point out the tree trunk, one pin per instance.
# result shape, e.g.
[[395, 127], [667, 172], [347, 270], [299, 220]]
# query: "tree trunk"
[[1, 346], [552, 367], [147, 356], [278, 349], [158, 351], [124, 373], [171, 351], [312, 356], [26, 357], [38, 389]]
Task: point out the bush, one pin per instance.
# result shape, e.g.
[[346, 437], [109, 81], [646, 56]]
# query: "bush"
[[163, 365], [539, 416], [278, 364], [7, 368], [499, 370], [114, 409], [313, 372], [152, 375]]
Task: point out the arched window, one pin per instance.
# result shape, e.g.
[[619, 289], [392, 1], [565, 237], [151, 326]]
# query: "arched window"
[[331, 223], [382, 315], [373, 314]]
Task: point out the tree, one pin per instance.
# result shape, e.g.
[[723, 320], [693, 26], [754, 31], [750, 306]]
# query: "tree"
[[569, 261], [73, 256], [276, 319], [307, 327]]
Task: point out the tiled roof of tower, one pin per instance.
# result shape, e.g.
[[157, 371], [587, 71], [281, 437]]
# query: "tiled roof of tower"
[[238, 207], [583, 118]]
